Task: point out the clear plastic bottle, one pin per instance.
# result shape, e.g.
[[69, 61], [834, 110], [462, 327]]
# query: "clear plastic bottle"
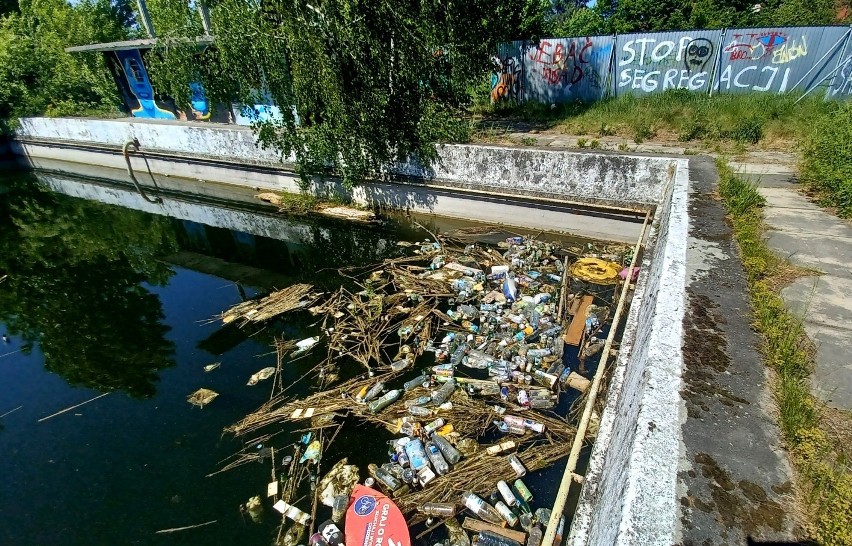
[[416, 452], [517, 465], [482, 509], [437, 460], [440, 509], [485, 538], [420, 411], [458, 354], [535, 536], [389, 398], [384, 477], [450, 453], [400, 364], [374, 391], [419, 401], [416, 382], [443, 394]]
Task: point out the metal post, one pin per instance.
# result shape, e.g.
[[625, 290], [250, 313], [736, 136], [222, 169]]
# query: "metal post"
[[717, 62], [145, 18], [610, 77], [204, 13], [831, 75]]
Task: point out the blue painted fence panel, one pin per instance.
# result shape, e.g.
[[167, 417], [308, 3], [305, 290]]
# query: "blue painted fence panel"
[[507, 78], [841, 84], [558, 70], [653, 62], [777, 60]]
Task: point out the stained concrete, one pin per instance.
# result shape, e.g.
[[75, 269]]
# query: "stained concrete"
[[813, 238], [734, 479]]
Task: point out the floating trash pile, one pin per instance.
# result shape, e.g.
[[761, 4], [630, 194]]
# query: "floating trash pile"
[[470, 357]]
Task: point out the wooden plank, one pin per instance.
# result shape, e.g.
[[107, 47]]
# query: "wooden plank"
[[476, 525], [578, 323]]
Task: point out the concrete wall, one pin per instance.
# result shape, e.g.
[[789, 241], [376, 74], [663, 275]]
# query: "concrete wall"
[[629, 495], [593, 178]]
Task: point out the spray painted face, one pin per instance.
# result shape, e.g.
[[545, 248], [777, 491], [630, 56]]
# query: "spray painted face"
[[698, 53]]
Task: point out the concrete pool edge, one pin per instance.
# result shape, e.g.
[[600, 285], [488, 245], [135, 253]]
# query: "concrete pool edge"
[[621, 501]]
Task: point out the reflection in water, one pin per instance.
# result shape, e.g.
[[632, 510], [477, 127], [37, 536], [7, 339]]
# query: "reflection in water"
[[75, 270]]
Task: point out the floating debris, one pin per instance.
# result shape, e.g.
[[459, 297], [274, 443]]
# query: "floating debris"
[[262, 375], [348, 213], [211, 367], [338, 481], [298, 296], [202, 397]]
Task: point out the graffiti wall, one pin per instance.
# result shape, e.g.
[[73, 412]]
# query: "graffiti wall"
[[508, 75], [652, 63], [561, 70], [744, 60], [778, 60]]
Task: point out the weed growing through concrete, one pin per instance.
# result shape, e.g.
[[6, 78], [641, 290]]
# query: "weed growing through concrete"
[[824, 472]]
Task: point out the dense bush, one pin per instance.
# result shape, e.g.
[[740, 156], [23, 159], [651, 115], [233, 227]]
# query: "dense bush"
[[37, 76], [827, 158]]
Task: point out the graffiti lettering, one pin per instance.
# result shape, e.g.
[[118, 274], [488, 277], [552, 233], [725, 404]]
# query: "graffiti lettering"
[[560, 65], [506, 82], [671, 79], [790, 51], [744, 47], [728, 78], [659, 52], [843, 81]]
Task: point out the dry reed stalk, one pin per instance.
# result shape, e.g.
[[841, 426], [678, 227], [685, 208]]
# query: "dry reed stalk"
[[279, 302]]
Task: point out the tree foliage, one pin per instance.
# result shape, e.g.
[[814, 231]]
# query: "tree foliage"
[[38, 77], [625, 16], [360, 83]]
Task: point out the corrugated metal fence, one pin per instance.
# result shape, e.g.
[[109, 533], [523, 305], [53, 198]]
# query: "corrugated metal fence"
[[741, 60]]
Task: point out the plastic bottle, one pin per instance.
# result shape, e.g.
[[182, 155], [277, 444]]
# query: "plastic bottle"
[[517, 465], [437, 460], [374, 391], [443, 394], [292, 512], [383, 477], [420, 411], [506, 513], [458, 354], [389, 398], [416, 382], [486, 538], [535, 536], [441, 509], [478, 360], [450, 453], [394, 470], [416, 454], [400, 364], [482, 509], [419, 401], [361, 394], [434, 425], [506, 493]]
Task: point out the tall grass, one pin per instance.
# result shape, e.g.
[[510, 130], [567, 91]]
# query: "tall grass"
[[826, 165], [825, 477], [680, 115]]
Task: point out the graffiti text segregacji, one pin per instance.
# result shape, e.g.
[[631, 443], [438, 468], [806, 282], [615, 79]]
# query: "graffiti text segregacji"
[[650, 64]]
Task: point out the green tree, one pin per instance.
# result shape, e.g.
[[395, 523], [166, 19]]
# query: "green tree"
[[360, 83], [38, 77], [74, 287]]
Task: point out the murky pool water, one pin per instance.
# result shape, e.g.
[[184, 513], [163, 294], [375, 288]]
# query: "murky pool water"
[[102, 298]]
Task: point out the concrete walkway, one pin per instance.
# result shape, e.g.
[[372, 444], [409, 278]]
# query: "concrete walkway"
[[810, 237]]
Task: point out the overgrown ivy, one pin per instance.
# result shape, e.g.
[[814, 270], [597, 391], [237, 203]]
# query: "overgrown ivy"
[[360, 83]]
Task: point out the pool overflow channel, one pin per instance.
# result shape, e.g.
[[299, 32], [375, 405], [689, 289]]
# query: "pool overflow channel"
[[484, 362]]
